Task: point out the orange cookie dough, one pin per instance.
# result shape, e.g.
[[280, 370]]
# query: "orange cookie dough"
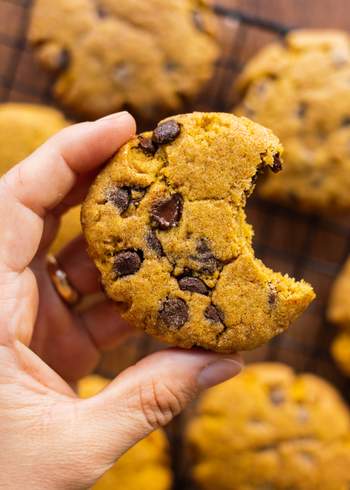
[[145, 466], [166, 227], [270, 428]]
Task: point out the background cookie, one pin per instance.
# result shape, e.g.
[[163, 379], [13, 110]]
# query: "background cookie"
[[165, 225], [339, 313], [109, 54], [146, 465], [300, 89], [23, 128], [271, 429]]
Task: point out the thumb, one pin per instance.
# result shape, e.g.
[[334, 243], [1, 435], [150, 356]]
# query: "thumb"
[[147, 396]]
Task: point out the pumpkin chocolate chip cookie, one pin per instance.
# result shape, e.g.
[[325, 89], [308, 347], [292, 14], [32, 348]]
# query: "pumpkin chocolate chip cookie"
[[339, 314], [146, 465], [166, 227], [24, 127], [270, 429], [108, 54], [300, 89]]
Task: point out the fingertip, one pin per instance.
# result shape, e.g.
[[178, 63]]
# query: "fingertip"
[[121, 119]]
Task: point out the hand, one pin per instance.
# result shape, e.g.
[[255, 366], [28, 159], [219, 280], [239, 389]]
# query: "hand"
[[50, 438]]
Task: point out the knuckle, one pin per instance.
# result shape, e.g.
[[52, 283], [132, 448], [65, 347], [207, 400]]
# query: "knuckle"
[[159, 404]]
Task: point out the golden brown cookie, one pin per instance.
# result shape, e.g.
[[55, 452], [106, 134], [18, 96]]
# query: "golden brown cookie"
[[109, 54], [24, 127], [145, 466], [270, 429], [339, 314], [166, 227], [300, 89]]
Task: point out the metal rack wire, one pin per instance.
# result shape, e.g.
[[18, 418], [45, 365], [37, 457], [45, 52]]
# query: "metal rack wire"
[[303, 245]]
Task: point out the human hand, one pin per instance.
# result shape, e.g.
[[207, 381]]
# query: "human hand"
[[50, 438]]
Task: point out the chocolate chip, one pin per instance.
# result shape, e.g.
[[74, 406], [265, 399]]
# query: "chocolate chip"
[[174, 313], [153, 243], [272, 295], [101, 11], [198, 20], [61, 60], [205, 256], [171, 66], [127, 262], [345, 121], [147, 145], [302, 109], [120, 197], [277, 164], [194, 285], [214, 314], [167, 213], [166, 132], [277, 396]]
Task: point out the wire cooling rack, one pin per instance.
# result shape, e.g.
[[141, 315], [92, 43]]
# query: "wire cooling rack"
[[303, 245]]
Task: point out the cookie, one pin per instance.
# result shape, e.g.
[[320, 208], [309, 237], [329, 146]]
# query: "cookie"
[[339, 313], [166, 227], [146, 465], [341, 351], [300, 89], [109, 54], [23, 128], [270, 429]]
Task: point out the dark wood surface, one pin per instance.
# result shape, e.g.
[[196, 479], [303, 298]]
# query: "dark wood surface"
[[304, 246]]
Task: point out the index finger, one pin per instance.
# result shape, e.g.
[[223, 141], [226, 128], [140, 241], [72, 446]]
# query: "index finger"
[[41, 182]]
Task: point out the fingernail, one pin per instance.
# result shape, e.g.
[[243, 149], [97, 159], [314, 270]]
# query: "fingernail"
[[218, 372], [116, 115]]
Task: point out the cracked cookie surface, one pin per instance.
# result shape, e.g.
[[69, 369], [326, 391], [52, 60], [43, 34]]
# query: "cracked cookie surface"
[[146, 465], [109, 54], [300, 90], [273, 430], [23, 128], [166, 227]]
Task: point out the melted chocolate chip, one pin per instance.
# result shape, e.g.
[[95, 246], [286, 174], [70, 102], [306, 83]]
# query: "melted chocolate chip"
[[194, 285], [302, 109], [62, 61], [147, 145], [174, 313], [205, 256], [198, 20], [272, 295], [101, 11], [167, 213], [166, 132], [153, 243], [171, 66], [214, 314], [277, 396], [120, 197], [127, 262], [277, 164], [345, 121]]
